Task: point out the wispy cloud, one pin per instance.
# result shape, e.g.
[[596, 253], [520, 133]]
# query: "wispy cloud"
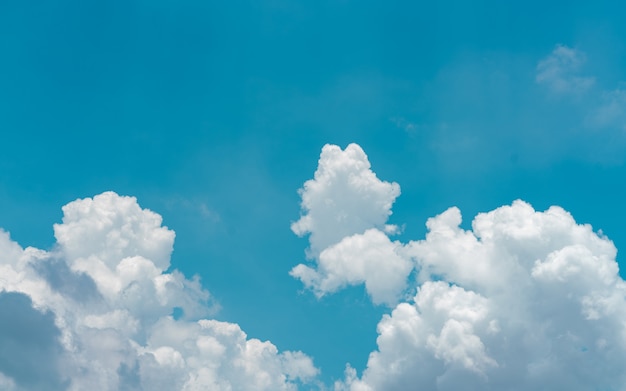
[[602, 117], [560, 71], [611, 112]]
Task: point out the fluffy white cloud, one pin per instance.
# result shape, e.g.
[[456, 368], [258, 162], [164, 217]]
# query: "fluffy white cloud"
[[344, 198], [212, 355], [346, 208], [101, 313], [559, 71], [525, 300], [369, 258]]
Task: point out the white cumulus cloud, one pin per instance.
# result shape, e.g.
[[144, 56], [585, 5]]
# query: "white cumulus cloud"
[[345, 211], [344, 198], [369, 258], [96, 313], [524, 300]]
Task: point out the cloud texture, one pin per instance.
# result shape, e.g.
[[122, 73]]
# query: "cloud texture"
[[96, 312], [525, 300]]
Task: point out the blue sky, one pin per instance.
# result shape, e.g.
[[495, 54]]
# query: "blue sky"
[[213, 115]]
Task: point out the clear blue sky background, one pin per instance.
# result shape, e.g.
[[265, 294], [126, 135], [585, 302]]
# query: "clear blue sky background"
[[213, 114]]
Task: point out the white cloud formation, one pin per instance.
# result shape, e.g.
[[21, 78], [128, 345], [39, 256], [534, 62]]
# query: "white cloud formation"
[[346, 208], [369, 258], [344, 198], [560, 71], [105, 299], [524, 300]]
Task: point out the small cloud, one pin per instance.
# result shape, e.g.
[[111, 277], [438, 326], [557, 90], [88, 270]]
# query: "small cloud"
[[345, 210], [560, 71], [345, 197]]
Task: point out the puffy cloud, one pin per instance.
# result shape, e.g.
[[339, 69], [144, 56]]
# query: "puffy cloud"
[[100, 231], [523, 300], [369, 258], [217, 355], [346, 208], [96, 313], [344, 198], [559, 71]]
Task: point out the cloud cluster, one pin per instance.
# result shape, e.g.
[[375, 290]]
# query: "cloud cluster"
[[101, 311], [524, 300]]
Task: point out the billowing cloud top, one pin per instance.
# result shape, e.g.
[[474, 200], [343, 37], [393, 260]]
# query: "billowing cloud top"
[[96, 313]]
